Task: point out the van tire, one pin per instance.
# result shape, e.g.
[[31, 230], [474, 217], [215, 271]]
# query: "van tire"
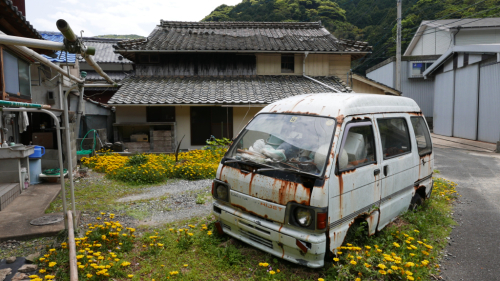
[[416, 201]]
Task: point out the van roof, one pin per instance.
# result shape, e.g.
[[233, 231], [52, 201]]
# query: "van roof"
[[334, 105]]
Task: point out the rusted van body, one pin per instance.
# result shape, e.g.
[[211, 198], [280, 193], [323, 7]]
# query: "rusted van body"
[[305, 168]]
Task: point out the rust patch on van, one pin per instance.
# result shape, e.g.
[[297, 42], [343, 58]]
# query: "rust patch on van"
[[340, 120], [297, 103], [300, 112], [415, 113]]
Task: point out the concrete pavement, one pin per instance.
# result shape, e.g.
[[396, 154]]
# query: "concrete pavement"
[[474, 249]]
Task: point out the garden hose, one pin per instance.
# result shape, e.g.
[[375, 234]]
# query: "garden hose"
[[53, 172], [88, 151]]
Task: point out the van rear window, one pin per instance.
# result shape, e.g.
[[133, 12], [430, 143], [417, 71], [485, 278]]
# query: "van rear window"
[[422, 136], [395, 136]]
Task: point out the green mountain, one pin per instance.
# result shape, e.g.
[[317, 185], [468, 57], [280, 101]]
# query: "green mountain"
[[373, 21]]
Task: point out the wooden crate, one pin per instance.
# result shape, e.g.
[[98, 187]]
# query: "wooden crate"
[[137, 146]]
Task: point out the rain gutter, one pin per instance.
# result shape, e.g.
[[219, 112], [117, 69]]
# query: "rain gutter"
[[235, 51]]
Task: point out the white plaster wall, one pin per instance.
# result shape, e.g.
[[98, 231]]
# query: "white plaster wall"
[[239, 118]]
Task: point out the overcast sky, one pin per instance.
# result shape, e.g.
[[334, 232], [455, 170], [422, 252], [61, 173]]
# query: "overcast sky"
[[99, 17]]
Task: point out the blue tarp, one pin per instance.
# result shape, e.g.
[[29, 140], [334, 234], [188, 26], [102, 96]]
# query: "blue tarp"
[[58, 37]]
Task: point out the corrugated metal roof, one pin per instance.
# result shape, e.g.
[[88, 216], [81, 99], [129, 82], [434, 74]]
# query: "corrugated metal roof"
[[243, 36], [61, 56], [218, 90], [104, 50]]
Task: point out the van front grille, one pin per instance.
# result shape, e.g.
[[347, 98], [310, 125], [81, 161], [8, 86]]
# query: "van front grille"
[[257, 239], [226, 226]]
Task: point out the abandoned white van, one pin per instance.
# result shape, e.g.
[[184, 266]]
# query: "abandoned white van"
[[307, 167]]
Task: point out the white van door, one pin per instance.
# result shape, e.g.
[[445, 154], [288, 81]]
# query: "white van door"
[[398, 167], [357, 188]]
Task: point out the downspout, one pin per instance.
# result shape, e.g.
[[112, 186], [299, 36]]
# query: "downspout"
[[314, 80], [60, 156], [68, 147], [80, 110]]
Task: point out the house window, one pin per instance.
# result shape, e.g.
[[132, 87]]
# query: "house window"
[[160, 114], [287, 63], [418, 68], [17, 76], [209, 121]]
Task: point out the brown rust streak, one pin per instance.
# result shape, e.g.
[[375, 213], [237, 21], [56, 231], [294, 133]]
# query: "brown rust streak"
[[297, 103], [416, 113], [250, 185], [248, 211]]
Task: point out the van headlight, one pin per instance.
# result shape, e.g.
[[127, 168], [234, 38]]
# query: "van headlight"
[[303, 216], [220, 191]]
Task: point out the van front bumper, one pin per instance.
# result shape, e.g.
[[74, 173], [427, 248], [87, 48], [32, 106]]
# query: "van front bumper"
[[272, 238]]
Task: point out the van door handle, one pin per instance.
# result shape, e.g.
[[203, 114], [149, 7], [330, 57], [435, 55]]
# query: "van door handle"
[[386, 168], [376, 172]]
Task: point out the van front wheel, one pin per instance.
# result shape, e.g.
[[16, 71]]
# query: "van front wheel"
[[416, 201]]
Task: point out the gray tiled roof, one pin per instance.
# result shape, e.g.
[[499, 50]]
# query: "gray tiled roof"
[[115, 75], [218, 90], [243, 36], [16, 18], [104, 52]]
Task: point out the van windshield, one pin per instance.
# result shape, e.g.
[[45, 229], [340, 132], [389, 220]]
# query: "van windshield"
[[286, 141]]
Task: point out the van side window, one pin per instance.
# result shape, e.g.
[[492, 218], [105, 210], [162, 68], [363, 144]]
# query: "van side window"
[[395, 136], [422, 136], [358, 146]]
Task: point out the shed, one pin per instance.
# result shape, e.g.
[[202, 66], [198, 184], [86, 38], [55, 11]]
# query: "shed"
[[467, 92]]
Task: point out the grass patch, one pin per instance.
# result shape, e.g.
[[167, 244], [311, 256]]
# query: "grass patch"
[[407, 249]]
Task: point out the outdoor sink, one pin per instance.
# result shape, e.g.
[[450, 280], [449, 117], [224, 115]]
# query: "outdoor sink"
[[16, 151]]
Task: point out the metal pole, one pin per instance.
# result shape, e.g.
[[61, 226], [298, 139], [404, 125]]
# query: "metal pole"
[[73, 270], [32, 43], [59, 145], [68, 148], [98, 69], [398, 49]]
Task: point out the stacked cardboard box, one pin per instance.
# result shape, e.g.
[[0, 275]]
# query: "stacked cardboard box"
[[162, 141]]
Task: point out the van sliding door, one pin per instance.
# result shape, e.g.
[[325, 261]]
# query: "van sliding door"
[[399, 171]]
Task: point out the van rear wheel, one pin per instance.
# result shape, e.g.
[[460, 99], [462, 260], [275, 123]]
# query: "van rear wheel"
[[416, 201]]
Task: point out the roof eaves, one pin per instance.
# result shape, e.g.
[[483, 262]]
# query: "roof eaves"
[[376, 84], [478, 48]]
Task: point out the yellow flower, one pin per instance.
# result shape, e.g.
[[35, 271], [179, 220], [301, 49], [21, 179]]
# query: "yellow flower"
[[382, 266], [272, 272], [383, 272], [130, 275], [321, 279], [395, 244], [335, 259], [89, 275], [52, 264], [357, 279], [186, 265], [353, 262]]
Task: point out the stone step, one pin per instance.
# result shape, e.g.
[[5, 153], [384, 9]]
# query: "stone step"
[[8, 192]]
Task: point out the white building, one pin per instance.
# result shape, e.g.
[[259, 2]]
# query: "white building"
[[431, 40]]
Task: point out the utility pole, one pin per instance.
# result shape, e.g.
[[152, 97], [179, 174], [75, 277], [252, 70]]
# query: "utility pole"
[[398, 49]]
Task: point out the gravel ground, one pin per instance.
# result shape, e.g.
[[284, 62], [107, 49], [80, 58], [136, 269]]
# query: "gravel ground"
[[171, 202]]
